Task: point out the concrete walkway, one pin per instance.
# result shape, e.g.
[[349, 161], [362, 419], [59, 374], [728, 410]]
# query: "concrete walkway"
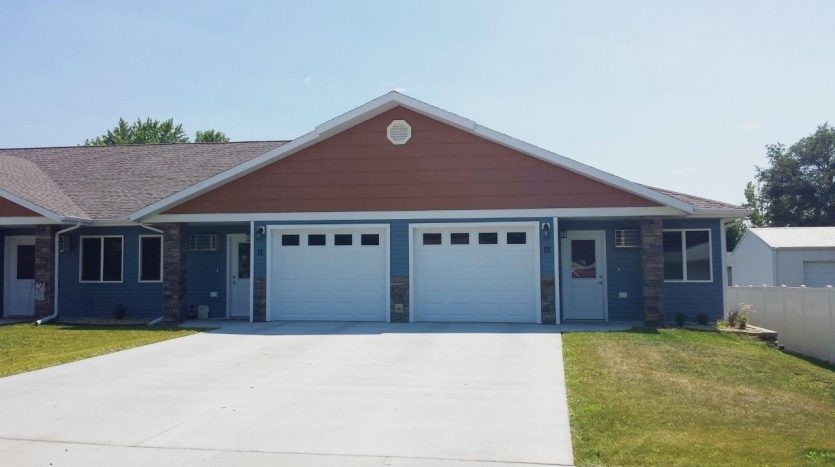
[[301, 394]]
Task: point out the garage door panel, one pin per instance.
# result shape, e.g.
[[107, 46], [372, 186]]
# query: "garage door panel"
[[476, 282], [329, 282], [818, 273]]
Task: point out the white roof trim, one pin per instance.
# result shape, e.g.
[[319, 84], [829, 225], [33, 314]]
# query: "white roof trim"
[[30, 205], [377, 107]]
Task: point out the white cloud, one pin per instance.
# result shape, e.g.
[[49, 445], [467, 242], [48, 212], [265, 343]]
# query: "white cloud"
[[750, 126]]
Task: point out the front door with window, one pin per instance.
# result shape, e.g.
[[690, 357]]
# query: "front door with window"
[[584, 275], [19, 287], [239, 270]]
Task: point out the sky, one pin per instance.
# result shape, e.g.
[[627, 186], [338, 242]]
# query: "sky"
[[680, 95]]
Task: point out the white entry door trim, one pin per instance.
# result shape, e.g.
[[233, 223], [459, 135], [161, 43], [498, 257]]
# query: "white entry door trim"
[[271, 274], [590, 284], [533, 226], [237, 288], [18, 294]]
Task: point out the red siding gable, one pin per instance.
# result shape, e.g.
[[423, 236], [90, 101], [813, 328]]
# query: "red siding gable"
[[10, 209], [440, 168]]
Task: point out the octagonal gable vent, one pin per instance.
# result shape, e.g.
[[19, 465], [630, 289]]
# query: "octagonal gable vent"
[[399, 132]]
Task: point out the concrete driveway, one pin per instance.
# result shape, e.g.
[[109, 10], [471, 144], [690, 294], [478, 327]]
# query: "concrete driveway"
[[300, 394]]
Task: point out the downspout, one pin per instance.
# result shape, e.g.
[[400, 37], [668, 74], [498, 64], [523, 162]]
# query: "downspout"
[[55, 279], [158, 320]]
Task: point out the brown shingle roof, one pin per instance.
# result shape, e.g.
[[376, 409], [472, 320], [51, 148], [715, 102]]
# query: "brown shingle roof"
[[696, 201], [110, 182]]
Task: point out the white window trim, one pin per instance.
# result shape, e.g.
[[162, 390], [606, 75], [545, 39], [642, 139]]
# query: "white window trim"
[[101, 259], [139, 256], [684, 257]]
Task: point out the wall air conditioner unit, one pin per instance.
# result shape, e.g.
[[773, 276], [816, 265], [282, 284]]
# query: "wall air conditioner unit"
[[202, 242]]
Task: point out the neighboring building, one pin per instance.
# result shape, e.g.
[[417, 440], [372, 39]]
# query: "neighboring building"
[[790, 256], [394, 211]]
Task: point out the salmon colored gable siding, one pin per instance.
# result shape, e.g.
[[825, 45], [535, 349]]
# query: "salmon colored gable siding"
[[440, 168], [10, 209]]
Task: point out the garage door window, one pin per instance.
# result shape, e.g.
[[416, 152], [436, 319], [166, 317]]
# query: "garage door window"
[[517, 238], [431, 239], [369, 239], [343, 239], [488, 238], [459, 238], [289, 240], [316, 239]]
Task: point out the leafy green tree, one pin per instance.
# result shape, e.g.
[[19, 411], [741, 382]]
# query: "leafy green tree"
[[151, 131], [735, 231], [210, 136], [798, 187]]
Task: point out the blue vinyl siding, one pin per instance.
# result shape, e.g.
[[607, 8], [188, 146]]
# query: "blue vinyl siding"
[[399, 231], [698, 297], [624, 272], [97, 300], [207, 269]]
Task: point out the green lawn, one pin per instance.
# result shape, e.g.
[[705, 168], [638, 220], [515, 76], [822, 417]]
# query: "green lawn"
[[679, 397], [25, 347]]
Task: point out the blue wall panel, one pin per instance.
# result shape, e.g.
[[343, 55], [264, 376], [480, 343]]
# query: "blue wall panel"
[[76, 300], [698, 297], [207, 269]]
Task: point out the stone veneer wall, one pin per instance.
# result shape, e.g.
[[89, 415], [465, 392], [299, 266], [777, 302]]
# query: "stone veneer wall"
[[175, 267], [259, 304], [399, 290], [44, 269], [652, 262], [549, 300]]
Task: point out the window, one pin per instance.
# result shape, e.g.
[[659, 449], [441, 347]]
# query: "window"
[[431, 239], [488, 238], [26, 262], [150, 258], [687, 256], [316, 239], [583, 259], [517, 238], [369, 239], [101, 259], [289, 240], [459, 238], [343, 239]]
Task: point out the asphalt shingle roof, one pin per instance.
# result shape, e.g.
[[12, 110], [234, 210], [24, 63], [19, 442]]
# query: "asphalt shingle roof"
[[110, 182], [697, 201]]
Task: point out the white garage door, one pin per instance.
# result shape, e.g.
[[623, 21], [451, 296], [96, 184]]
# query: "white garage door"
[[329, 274], [483, 273], [819, 273]]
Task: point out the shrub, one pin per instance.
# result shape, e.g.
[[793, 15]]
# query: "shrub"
[[703, 319], [743, 321], [119, 311], [680, 317]]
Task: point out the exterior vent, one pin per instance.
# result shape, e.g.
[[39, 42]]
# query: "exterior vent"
[[399, 132], [63, 244], [202, 242], [627, 238]]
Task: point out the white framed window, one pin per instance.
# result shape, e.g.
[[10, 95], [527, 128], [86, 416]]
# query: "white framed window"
[[688, 255], [150, 258], [101, 258]]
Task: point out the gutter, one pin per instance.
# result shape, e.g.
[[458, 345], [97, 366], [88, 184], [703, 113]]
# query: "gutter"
[[56, 277], [159, 319]]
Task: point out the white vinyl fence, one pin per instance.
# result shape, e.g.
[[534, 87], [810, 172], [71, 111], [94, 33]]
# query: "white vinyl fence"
[[804, 317]]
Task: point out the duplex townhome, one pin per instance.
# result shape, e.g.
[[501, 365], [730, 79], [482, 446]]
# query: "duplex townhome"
[[393, 211]]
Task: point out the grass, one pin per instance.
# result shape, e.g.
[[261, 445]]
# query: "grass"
[[24, 347], [680, 397]]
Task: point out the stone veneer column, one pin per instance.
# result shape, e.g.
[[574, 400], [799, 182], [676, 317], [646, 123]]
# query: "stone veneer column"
[[174, 266], [259, 302], [399, 290], [652, 261], [44, 270], [548, 297]]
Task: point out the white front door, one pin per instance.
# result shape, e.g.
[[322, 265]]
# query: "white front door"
[[239, 270], [476, 273], [584, 274], [19, 287]]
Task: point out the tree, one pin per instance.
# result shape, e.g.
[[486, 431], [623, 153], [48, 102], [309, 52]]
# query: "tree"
[[210, 136], [798, 188], [735, 231], [151, 131]]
